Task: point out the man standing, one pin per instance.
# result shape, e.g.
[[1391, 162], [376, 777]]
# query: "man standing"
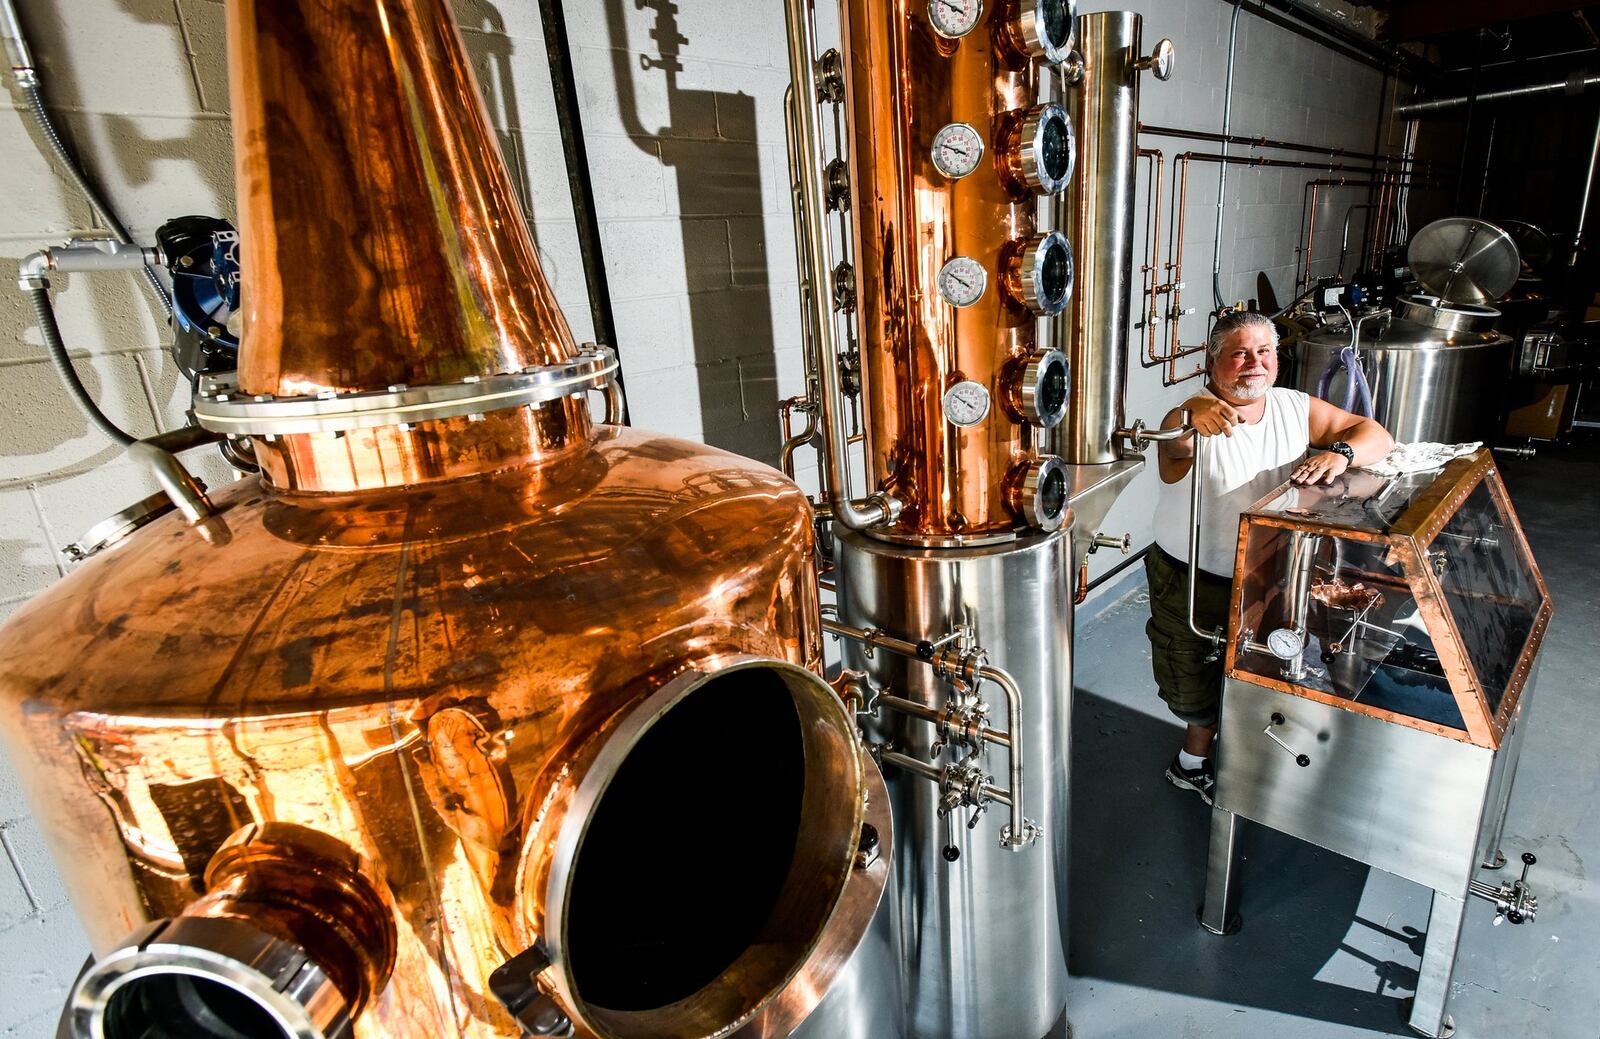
[[1258, 437]]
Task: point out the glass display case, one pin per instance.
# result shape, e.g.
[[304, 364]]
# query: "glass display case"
[[1413, 599], [1379, 661]]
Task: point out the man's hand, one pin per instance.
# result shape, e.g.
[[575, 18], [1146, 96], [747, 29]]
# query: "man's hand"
[[1212, 416], [1320, 468]]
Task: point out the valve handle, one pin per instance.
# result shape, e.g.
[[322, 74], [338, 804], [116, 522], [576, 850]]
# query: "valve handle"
[[1303, 760]]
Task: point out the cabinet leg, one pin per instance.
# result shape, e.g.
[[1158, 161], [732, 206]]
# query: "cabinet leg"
[[1218, 914], [1438, 964]]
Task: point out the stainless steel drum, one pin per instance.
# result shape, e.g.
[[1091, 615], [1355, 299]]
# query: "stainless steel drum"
[[1438, 371], [982, 928]]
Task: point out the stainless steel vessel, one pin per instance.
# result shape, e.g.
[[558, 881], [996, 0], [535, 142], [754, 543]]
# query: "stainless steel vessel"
[[1381, 649], [1438, 371], [1096, 214], [997, 912]]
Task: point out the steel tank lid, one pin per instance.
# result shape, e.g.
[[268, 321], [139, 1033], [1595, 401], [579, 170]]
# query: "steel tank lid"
[[1464, 260], [1421, 323]]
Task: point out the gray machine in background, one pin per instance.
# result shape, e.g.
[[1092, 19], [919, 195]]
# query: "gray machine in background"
[[1435, 367], [1380, 655]]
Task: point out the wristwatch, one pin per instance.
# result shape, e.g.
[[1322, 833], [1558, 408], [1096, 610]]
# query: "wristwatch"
[[1340, 447]]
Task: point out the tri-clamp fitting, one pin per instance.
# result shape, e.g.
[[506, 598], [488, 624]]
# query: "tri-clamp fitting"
[[1513, 901]]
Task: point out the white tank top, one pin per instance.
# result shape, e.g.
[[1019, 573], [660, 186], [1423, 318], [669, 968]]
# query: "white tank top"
[[1239, 471]]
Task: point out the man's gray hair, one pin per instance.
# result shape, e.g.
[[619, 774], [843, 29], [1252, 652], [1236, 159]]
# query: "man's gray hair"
[[1233, 321]]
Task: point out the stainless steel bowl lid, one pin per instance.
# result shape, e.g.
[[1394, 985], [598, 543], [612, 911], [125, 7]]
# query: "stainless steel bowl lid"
[[1445, 316], [1462, 260]]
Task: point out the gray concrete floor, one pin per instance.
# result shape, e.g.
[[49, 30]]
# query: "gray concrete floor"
[[1329, 946]]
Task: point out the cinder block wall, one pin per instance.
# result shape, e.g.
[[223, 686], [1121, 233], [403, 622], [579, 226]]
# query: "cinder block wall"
[[682, 107]]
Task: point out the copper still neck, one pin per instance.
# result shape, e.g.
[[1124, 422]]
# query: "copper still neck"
[[381, 240]]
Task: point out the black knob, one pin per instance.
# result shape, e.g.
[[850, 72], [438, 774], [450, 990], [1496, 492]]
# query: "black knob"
[[1303, 760], [925, 651], [951, 853], [869, 837], [1528, 858], [1514, 916]]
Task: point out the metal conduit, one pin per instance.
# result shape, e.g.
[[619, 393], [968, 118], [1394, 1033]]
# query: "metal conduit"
[[1574, 85]]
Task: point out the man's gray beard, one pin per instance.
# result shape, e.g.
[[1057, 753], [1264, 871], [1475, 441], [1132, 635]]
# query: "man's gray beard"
[[1244, 391]]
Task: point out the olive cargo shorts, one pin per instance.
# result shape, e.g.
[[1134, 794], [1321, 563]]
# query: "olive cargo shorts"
[[1191, 685]]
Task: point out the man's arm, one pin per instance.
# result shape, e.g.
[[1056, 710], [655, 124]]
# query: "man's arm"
[[1210, 416], [1330, 425]]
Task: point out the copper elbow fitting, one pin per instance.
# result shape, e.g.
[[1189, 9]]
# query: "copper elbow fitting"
[[291, 938]]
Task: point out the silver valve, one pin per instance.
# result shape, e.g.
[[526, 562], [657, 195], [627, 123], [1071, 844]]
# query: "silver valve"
[[1513, 901], [1303, 760]]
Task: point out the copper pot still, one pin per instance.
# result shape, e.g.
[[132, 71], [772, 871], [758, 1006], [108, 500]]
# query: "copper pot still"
[[463, 679]]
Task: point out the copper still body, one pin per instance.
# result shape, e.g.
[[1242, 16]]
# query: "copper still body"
[[468, 716]]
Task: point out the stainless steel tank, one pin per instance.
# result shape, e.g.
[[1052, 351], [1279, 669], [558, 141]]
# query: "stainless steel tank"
[[1438, 371], [986, 958], [1095, 212]]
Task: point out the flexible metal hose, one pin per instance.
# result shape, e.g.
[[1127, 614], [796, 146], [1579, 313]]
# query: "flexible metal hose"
[[47, 129], [40, 297]]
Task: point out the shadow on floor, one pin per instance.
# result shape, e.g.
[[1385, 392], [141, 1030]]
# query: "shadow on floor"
[[1137, 876]]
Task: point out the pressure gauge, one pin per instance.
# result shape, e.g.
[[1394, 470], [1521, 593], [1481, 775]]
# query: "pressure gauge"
[[1286, 643], [957, 148], [954, 18], [962, 281], [966, 403]]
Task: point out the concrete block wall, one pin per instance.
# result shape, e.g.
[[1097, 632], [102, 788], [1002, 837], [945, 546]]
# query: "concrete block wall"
[[682, 108]]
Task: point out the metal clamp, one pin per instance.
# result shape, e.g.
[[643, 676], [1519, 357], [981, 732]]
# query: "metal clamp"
[[1303, 760], [222, 409], [1513, 901], [515, 984]]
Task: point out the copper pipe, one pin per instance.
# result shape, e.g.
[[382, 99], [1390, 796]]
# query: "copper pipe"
[[1152, 251], [1173, 343]]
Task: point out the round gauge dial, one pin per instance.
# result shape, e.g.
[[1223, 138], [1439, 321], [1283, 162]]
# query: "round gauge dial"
[[962, 281], [1286, 643], [966, 403], [957, 149], [954, 18]]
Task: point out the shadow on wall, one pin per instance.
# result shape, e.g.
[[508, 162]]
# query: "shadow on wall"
[[490, 50], [724, 241], [1133, 898]]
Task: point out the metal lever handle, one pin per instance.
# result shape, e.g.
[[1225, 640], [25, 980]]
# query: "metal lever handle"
[[1303, 760]]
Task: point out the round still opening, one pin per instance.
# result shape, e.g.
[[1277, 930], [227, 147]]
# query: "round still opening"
[[1052, 493], [1055, 274], [714, 857], [1055, 149], [1052, 393], [186, 1006]]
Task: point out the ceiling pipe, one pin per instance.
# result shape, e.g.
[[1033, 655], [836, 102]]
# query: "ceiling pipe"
[[1572, 85]]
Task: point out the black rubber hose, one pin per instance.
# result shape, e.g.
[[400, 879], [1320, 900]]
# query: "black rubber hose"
[[47, 129], [46, 314]]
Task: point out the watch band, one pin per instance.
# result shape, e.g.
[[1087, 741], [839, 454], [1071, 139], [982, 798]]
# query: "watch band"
[[1340, 447]]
